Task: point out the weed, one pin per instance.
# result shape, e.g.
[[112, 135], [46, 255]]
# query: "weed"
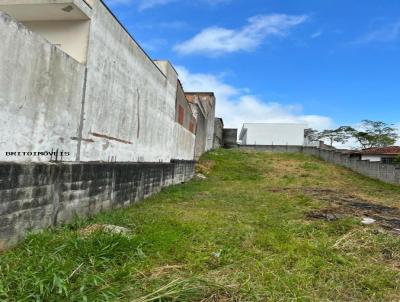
[[243, 234]]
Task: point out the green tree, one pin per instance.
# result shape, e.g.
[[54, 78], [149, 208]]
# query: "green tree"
[[339, 135], [311, 134], [374, 134]]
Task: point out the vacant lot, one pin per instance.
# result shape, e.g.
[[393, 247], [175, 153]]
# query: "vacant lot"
[[261, 227]]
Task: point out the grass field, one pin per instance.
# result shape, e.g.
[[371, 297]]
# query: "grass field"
[[261, 227]]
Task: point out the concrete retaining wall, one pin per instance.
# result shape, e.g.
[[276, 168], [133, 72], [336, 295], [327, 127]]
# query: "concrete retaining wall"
[[384, 172], [37, 195]]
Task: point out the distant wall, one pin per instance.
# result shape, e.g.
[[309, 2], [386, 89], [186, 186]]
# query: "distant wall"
[[384, 172], [218, 133], [201, 131], [203, 108], [229, 138], [183, 112], [210, 123], [273, 134], [372, 157], [37, 195]]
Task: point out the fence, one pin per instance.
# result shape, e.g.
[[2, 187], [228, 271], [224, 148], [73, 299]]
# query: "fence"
[[385, 172]]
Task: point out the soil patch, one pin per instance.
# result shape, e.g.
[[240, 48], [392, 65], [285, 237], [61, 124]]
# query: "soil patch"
[[342, 204]]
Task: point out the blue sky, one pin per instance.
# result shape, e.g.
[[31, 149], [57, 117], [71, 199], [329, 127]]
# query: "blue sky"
[[324, 62]]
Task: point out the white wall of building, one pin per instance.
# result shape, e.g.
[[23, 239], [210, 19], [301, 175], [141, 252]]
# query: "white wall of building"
[[71, 36], [272, 134], [371, 157]]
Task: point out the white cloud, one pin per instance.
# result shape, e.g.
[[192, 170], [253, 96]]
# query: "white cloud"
[[384, 34], [316, 34], [237, 106], [141, 4], [218, 40], [147, 4], [119, 2]]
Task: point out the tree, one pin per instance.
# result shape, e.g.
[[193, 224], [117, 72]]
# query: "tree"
[[339, 135], [374, 134], [397, 159], [311, 134]]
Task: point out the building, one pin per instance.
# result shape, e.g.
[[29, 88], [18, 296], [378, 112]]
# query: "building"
[[218, 133], [230, 138], [272, 134], [73, 79], [203, 108], [386, 155], [183, 112]]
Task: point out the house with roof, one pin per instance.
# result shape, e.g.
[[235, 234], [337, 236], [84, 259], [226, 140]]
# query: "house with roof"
[[386, 155]]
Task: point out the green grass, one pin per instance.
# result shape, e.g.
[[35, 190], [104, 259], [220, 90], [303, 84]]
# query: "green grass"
[[236, 236]]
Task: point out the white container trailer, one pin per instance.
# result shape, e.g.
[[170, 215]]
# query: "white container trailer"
[[272, 134]]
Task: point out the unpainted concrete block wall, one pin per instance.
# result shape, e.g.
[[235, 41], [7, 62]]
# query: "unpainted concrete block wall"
[[229, 138], [384, 172], [34, 196]]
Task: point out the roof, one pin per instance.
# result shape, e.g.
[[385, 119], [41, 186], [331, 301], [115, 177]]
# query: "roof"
[[391, 150]]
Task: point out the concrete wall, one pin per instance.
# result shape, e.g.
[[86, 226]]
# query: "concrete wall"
[[37, 195], [385, 172], [203, 108], [122, 106], [40, 94], [210, 121], [130, 103], [272, 134], [373, 157], [201, 131], [218, 133], [229, 138], [182, 106]]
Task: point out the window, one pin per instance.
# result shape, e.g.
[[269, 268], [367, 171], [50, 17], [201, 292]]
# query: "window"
[[387, 160]]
